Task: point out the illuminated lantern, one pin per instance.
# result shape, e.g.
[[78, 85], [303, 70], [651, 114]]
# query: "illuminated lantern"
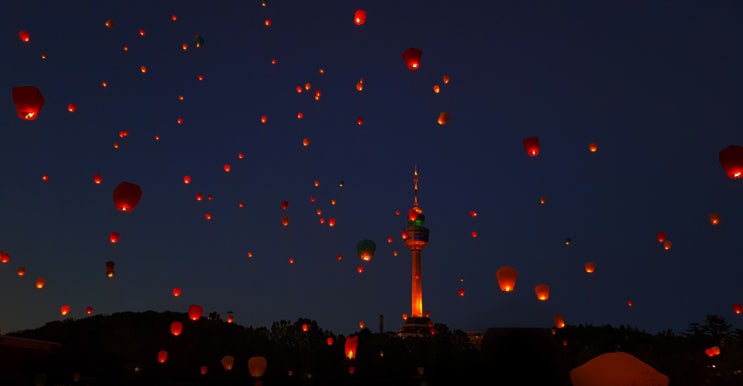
[[593, 147], [446, 79], [285, 220], [89, 310], [143, 69], [291, 260], [661, 236], [284, 205], [113, 237], [64, 310], [28, 102], [531, 145], [40, 282], [443, 118], [126, 196], [350, 346], [199, 196], [21, 271], [109, 23], [227, 362], [359, 121], [4, 257], [264, 119], [731, 160], [365, 249], [474, 234], [359, 17], [195, 311], [559, 321], [305, 327], [461, 292], [351, 370], [667, 245], [176, 292], [709, 352], [568, 241], [738, 308], [162, 356], [257, 366], [203, 370], [506, 278], [542, 291], [543, 200], [186, 180], [331, 222], [715, 350], [362, 325], [329, 341], [629, 303], [412, 58], [306, 142], [473, 213], [590, 267], [176, 328], [230, 318], [110, 268], [714, 218], [25, 36], [227, 168], [436, 89], [97, 179], [71, 107]]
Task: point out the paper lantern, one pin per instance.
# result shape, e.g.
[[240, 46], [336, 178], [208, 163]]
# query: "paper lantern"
[[359, 17], [162, 356], [365, 249], [738, 308], [531, 145], [257, 366], [714, 219], [350, 346], [506, 278], [731, 160], [113, 237], [559, 321], [227, 362], [64, 310], [40, 283], [412, 58], [176, 292], [542, 291], [110, 268], [661, 236], [28, 102], [195, 311], [590, 267], [443, 118], [176, 328], [126, 196]]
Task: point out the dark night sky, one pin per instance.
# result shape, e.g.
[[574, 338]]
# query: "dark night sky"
[[656, 85]]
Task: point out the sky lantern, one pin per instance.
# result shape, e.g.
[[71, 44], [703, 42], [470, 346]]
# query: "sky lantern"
[[661, 236], [126, 196], [590, 267], [306, 142], [359, 17], [264, 119], [460, 292], [731, 160], [593, 147], [559, 321], [227, 168], [228, 361], [64, 310], [24, 36], [4, 257], [359, 121], [305, 327], [89, 310], [365, 249], [40, 282], [543, 200], [412, 58], [186, 180], [436, 89], [230, 318], [506, 276], [714, 218], [162, 356], [350, 346], [109, 23], [21, 271], [203, 370], [443, 118], [531, 145], [329, 341], [176, 328], [195, 311], [284, 205], [331, 222], [542, 291], [257, 366], [285, 221], [738, 308], [97, 179], [72, 107], [28, 102], [110, 268], [176, 292], [113, 237], [667, 245]]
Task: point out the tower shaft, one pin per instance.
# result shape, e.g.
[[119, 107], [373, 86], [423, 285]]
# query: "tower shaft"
[[417, 288]]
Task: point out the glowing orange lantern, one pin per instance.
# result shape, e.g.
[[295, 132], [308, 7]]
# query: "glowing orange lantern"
[[661, 236], [436, 89], [21, 271], [412, 58], [186, 180], [4, 257], [89, 310], [228, 361], [64, 310], [531, 145], [350, 346], [506, 276], [590, 267], [329, 341], [257, 366], [113, 237], [731, 160], [97, 179], [126, 196], [203, 370], [461, 292], [176, 292], [40, 282], [443, 118], [359, 17], [362, 325], [714, 218], [162, 356], [195, 311], [667, 245], [559, 321], [110, 268], [176, 328], [28, 102], [738, 308], [359, 121], [285, 220], [72, 107], [24, 36], [542, 291], [230, 318], [227, 168], [305, 327], [593, 147]]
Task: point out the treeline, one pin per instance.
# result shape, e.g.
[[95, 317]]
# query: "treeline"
[[122, 349]]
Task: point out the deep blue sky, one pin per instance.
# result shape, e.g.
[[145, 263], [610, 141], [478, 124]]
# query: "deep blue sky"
[[656, 85]]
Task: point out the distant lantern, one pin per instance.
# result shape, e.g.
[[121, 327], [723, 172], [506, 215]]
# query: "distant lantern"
[[359, 121], [460, 292], [21, 271], [257, 366], [72, 107], [203, 370], [329, 341], [359, 17], [738, 308], [187, 179], [89, 310], [162, 356], [350, 346], [64, 310], [126, 196], [590, 267], [97, 179], [542, 291], [110, 268], [443, 118], [661, 236], [284, 205], [176, 328], [362, 325], [264, 119], [195, 311], [228, 361], [559, 321], [365, 248], [593, 147], [436, 89], [305, 327], [531, 145], [714, 218], [113, 238], [731, 160], [227, 168], [26, 37], [506, 276], [28, 102], [176, 292], [412, 58], [285, 221], [4, 257], [230, 318], [543, 200], [667, 245], [40, 282]]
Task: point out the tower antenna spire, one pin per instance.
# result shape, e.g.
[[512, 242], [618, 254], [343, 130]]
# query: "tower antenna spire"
[[415, 186]]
